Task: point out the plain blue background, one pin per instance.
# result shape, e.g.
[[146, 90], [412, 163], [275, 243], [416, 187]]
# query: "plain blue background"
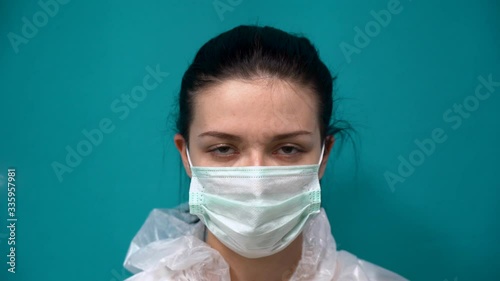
[[440, 224]]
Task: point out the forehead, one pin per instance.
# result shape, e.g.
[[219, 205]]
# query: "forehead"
[[255, 108]]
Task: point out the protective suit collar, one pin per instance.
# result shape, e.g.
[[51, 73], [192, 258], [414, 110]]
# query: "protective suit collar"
[[170, 246]]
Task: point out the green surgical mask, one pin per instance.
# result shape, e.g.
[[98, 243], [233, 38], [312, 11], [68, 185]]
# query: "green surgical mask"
[[256, 211]]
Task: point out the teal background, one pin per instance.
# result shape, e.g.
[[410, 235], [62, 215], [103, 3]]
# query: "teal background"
[[440, 224]]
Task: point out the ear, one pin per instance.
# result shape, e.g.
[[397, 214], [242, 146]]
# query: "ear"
[[181, 145], [329, 141]]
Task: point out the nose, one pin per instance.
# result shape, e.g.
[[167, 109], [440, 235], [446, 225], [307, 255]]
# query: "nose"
[[255, 158]]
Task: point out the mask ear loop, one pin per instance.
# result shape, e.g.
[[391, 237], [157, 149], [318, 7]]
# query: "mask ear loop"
[[189, 158], [191, 166], [322, 151]]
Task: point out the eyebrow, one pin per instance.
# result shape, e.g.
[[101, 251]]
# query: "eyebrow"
[[226, 136]]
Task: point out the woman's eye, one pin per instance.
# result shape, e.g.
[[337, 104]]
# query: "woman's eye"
[[287, 150], [223, 150]]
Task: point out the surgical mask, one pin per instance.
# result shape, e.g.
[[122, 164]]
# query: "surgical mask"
[[255, 211]]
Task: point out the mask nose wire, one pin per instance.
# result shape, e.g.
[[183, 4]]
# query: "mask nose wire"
[[189, 158]]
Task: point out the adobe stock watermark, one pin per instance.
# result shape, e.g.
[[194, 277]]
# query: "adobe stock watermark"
[[363, 37], [121, 107], [30, 27], [223, 6], [452, 116]]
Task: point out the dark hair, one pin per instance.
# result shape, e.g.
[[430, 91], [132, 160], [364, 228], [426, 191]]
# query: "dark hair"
[[245, 52]]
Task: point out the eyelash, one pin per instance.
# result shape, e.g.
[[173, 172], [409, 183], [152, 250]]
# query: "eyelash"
[[297, 150], [214, 150]]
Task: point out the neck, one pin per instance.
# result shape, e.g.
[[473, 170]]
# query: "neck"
[[278, 267]]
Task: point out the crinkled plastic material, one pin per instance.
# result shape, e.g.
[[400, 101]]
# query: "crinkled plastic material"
[[170, 246]]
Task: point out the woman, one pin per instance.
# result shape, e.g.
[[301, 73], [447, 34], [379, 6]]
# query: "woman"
[[254, 134]]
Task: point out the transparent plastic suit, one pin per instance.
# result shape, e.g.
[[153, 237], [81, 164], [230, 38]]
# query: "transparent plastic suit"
[[170, 246]]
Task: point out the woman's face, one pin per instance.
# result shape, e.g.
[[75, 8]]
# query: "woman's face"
[[262, 122]]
